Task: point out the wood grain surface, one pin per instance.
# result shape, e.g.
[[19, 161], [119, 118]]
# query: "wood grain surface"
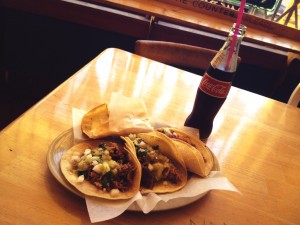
[[256, 140]]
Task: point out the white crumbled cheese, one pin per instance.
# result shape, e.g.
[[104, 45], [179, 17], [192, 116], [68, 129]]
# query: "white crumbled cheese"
[[101, 168], [100, 160], [89, 158], [106, 152], [98, 168], [150, 167], [158, 169], [82, 165], [80, 179], [175, 134], [95, 162], [136, 142], [97, 152], [106, 157], [112, 164], [114, 192], [75, 159], [115, 171], [97, 158], [87, 151], [143, 145], [106, 167]]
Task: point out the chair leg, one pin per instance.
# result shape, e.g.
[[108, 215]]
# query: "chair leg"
[[295, 96]]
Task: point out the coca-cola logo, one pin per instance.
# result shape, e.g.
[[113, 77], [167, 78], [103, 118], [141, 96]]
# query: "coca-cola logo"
[[214, 87]]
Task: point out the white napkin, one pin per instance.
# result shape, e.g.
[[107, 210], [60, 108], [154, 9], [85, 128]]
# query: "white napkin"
[[127, 115], [101, 210], [77, 115]]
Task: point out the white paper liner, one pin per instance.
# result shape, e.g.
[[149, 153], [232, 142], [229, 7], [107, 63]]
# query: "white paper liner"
[[102, 210], [77, 115], [128, 115]]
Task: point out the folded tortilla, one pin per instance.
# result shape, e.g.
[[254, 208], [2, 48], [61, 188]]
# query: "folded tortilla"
[[163, 169], [95, 123], [102, 168], [196, 154], [103, 121]]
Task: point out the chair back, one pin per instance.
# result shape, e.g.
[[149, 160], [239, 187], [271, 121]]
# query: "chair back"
[[175, 54], [295, 96]]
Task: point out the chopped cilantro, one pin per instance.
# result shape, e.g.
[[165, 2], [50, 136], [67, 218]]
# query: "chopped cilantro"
[[142, 152], [106, 179], [82, 172], [102, 145]]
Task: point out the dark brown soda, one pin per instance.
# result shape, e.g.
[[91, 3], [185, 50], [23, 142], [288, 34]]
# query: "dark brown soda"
[[206, 106]]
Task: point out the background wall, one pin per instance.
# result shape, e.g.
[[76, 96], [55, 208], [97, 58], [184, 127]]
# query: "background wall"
[[38, 53]]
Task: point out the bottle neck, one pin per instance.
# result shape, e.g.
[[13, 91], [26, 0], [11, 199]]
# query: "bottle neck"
[[220, 61]]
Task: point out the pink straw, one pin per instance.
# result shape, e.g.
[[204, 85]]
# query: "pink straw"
[[238, 23]]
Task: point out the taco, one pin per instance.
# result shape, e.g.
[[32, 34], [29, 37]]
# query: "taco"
[[95, 123], [163, 169], [102, 168], [193, 150]]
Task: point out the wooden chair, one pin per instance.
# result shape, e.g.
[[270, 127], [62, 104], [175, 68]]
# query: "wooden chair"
[[295, 96], [287, 91], [183, 56]]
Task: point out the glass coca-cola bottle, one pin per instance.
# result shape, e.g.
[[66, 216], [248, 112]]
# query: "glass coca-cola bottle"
[[215, 84]]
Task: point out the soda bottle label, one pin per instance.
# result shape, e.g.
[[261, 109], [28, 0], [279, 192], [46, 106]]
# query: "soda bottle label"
[[214, 87]]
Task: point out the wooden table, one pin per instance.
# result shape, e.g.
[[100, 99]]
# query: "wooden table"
[[256, 140]]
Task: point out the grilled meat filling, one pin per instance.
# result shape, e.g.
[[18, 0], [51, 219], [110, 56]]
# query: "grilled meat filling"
[[156, 167], [107, 167]]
